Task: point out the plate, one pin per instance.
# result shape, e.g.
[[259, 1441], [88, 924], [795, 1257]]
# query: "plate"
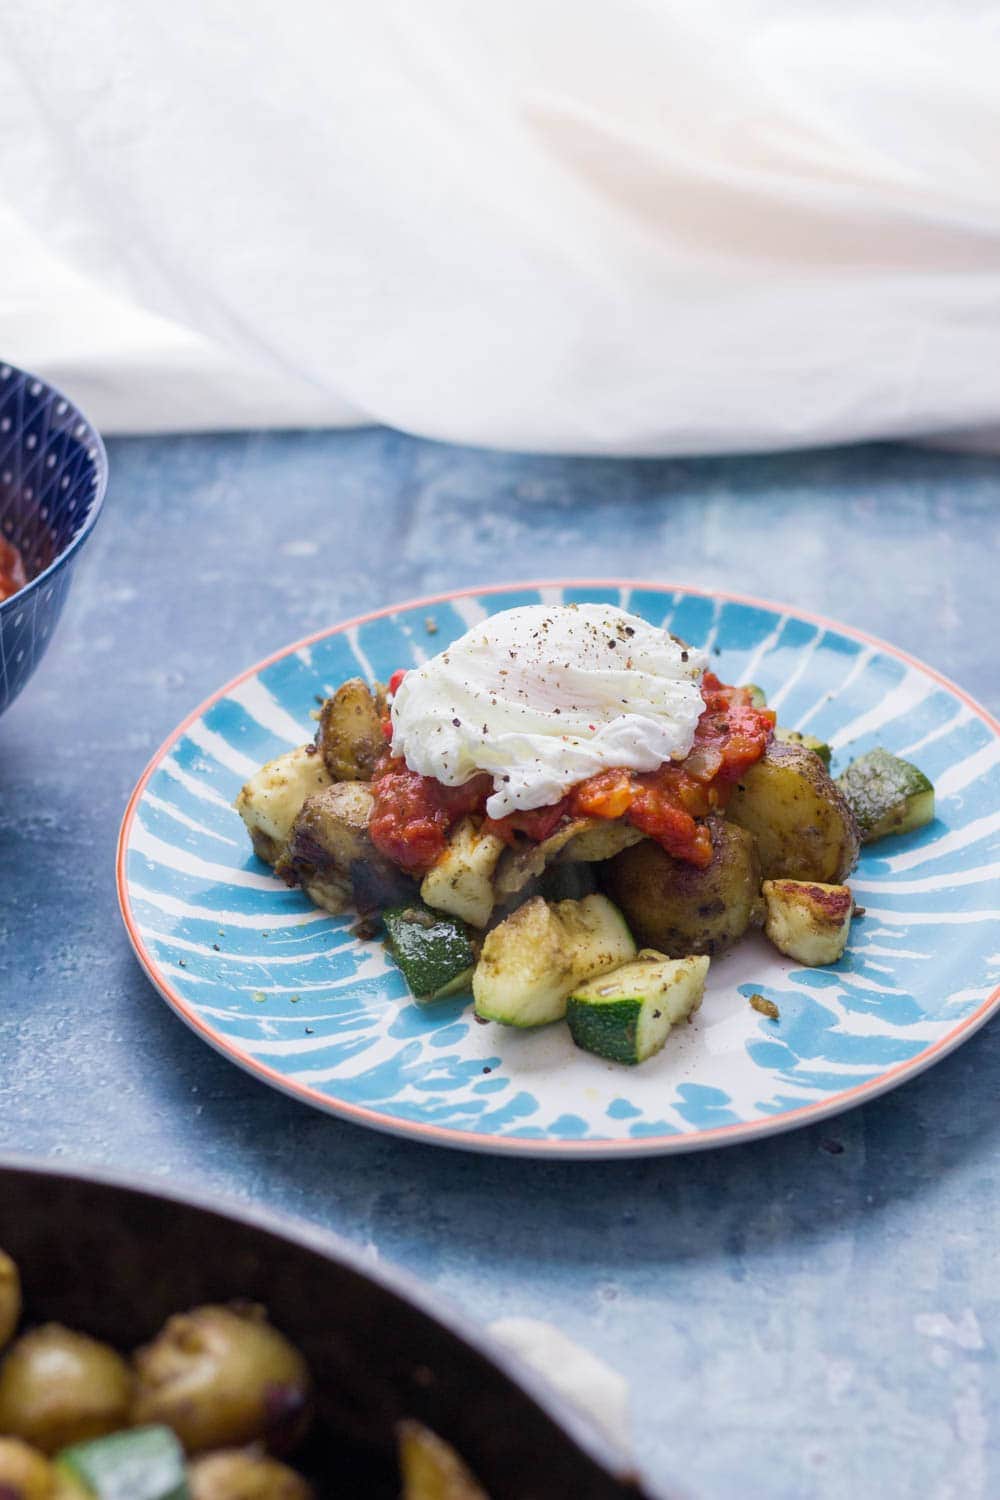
[[287, 992]]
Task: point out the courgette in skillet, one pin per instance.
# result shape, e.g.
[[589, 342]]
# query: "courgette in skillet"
[[886, 795], [432, 949], [146, 1463], [627, 1015]]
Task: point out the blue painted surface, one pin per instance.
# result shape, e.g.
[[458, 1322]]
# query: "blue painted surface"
[[795, 1319]]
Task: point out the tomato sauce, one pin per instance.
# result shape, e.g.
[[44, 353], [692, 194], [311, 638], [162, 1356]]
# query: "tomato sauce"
[[12, 574], [413, 814]]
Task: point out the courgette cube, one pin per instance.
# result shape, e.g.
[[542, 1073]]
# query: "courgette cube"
[[758, 697], [145, 1463], [808, 741], [807, 920], [886, 795], [531, 962], [626, 1016], [525, 970], [432, 950]]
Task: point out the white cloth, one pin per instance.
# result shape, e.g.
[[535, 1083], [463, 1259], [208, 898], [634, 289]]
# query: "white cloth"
[[639, 226], [581, 1377]]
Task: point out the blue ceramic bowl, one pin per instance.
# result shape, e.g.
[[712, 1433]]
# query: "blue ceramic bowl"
[[53, 475]]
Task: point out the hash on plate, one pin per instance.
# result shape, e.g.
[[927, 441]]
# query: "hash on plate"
[[567, 812]]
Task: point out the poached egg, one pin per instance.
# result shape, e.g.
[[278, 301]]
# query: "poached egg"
[[541, 698]]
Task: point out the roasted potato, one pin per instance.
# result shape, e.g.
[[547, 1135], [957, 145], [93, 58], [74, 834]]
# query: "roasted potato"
[[330, 853], [59, 1387], [271, 800], [221, 1377], [10, 1298], [242, 1474], [25, 1474], [431, 1468], [809, 921], [678, 909], [803, 826], [461, 883], [350, 737]]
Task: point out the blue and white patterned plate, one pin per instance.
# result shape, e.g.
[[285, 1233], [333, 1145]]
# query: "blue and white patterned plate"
[[287, 992]]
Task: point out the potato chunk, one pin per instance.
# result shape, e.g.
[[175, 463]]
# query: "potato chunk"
[[804, 828], [461, 883], [678, 909], [808, 920], [271, 800], [331, 854], [431, 1468], [350, 737]]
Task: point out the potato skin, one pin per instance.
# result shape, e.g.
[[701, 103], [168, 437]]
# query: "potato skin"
[[25, 1473], [350, 736], [332, 856], [803, 826], [59, 1387], [222, 1377], [430, 1467], [242, 1474], [332, 827], [674, 907], [10, 1298]]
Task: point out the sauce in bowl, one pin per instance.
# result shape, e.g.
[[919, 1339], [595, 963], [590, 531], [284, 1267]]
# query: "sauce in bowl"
[[12, 574]]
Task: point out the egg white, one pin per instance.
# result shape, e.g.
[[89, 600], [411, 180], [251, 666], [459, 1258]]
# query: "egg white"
[[542, 697]]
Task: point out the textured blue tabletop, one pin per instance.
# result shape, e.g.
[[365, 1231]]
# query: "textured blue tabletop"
[[813, 1315]]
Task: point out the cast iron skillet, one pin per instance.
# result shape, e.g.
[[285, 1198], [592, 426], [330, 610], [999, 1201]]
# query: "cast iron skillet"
[[115, 1260]]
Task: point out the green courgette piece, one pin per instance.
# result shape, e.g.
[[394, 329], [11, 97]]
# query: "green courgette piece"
[[886, 795], [433, 950], [626, 1015], [758, 697], [145, 1463], [808, 741], [531, 962]]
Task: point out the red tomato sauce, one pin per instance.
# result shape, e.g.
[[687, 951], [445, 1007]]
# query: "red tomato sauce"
[[413, 814], [12, 574]]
